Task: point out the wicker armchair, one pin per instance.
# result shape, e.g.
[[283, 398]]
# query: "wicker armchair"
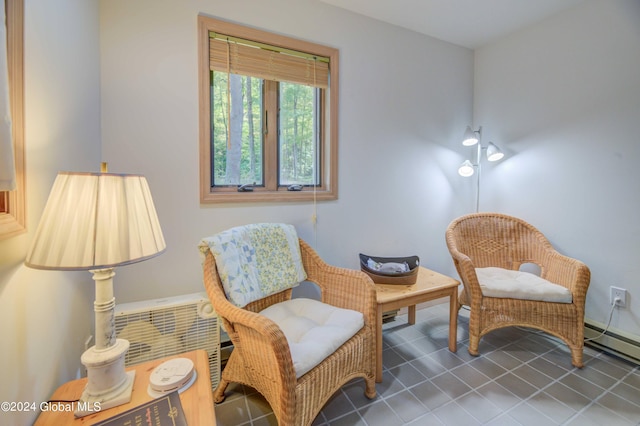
[[490, 239], [261, 358]]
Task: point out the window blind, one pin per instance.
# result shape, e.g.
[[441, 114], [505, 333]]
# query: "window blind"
[[238, 56]]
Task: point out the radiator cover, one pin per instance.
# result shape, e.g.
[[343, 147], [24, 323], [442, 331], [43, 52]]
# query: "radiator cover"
[[614, 342]]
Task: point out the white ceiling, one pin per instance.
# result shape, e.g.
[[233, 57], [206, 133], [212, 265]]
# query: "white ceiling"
[[468, 23]]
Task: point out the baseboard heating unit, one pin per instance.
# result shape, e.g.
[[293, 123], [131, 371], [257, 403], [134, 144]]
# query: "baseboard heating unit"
[[614, 342], [159, 328]]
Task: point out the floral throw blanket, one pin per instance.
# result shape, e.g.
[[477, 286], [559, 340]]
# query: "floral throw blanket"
[[256, 260]]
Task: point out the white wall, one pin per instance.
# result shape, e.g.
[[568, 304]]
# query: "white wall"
[[563, 97], [399, 124], [45, 316], [557, 89]]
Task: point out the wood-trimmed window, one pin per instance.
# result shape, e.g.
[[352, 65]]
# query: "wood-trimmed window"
[[12, 203], [268, 116]]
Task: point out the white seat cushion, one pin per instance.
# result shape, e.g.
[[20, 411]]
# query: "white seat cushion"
[[314, 330], [499, 282]]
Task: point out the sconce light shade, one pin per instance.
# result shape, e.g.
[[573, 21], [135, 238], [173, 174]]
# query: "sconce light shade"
[[466, 169], [470, 137], [493, 152]]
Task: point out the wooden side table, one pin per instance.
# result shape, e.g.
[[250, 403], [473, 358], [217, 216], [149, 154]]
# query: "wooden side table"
[[430, 285], [197, 401]]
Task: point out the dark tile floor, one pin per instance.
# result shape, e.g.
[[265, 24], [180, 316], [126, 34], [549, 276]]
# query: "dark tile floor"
[[523, 377]]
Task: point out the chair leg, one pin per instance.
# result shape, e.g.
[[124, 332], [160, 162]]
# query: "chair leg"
[[474, 342], [370, 387], [474, 334], [218, 394], [576, 357]]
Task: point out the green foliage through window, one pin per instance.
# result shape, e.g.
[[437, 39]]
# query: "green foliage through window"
[[238, 142], [298, 134]]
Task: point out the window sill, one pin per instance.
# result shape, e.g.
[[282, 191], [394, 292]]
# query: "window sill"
[[10, 226], [266, 196]]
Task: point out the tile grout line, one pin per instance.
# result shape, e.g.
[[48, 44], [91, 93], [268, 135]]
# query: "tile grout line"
[[610, 389], [554, 380]]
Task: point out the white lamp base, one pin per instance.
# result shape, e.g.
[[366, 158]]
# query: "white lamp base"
[[108, 385]]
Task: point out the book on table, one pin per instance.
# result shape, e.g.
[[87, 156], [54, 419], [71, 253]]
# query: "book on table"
[[164, 411]]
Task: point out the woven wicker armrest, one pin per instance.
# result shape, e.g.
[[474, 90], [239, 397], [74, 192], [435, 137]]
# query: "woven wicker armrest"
[[467, 272], [568, 272], [262, 342], [341, 287]]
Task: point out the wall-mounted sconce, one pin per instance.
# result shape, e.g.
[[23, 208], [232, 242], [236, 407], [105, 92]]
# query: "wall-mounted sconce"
[[468, 168]]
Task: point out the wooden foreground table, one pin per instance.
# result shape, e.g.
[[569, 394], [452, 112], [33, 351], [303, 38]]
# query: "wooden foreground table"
[[430, 285], [197, 401]]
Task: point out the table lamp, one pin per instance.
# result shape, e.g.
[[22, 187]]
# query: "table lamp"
[[95, 222]]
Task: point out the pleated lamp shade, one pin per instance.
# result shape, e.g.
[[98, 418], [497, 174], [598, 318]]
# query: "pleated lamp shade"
[[96, 221]]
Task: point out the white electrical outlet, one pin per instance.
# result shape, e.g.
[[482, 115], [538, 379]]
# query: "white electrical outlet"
[[621, 295]]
